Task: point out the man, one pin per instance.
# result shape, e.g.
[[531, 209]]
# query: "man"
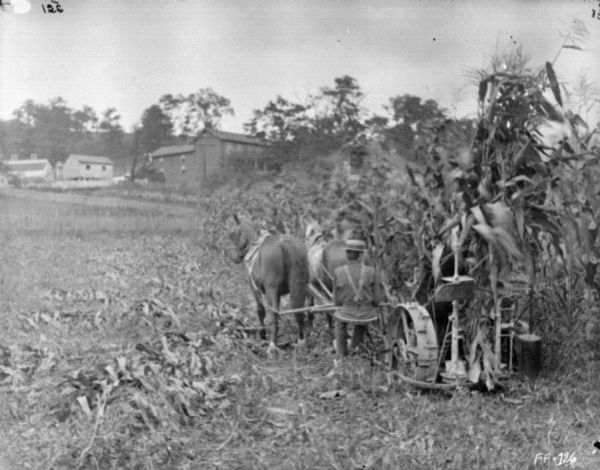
[[358, 292]]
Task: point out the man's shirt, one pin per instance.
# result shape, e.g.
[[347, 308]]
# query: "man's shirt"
[[356, 285]]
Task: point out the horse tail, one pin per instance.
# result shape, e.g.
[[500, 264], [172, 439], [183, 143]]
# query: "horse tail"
[[298, 274]]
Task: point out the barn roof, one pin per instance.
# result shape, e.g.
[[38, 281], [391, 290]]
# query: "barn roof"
[[172, 150], [91, 159], [26, 165], [233, 137], [221, 135]]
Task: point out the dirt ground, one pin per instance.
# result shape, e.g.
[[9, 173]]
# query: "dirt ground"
[[122, 346]]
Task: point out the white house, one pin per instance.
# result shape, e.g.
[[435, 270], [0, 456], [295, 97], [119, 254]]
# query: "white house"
[[87, 167], [32, 170]]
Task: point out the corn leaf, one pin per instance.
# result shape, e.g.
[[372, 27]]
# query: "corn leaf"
[[83, 403], [549, 110], [466, 222], [474, 352], [519, 219], [499, 215], [489, 363], [479, 216], [280, 411], [589, 136], [435, 261], [475, 371], [577, 121], [553, 83], [486, 232], [517, 179], [483, 85], [449, 224], [506, 241]]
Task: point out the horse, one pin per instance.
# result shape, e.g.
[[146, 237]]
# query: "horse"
[[277, 265], [325, 255]]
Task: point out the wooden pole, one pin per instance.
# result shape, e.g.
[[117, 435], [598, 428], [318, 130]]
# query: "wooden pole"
[[314, 309]]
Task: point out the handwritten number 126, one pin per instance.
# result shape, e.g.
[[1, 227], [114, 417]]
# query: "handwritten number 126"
[[49, 8]]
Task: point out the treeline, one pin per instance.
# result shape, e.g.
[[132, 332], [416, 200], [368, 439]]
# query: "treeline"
[[55, 130], [335, 117], [326, 121]]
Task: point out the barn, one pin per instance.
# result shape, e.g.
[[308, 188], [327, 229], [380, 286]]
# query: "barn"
[[30, 170], [210, 153], [87, 167]]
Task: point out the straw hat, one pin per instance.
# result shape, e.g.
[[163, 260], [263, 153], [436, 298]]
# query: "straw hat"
[[356, 245]]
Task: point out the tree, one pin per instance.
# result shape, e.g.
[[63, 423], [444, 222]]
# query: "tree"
[[155, 131], [85, 121], [27, 113], [376, 127], [47, 129], [408, 115], [408, 109], [55, 130], [278, 121], [196, 112], [13, 137], [342, 116], [84, 124], [112, 133]]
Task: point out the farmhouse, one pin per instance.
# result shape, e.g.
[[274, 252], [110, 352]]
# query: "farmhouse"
[[211, 152], [30, 170], [87, 167]]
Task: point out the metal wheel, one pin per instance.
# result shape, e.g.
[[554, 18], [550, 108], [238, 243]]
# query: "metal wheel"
[[411, 343]]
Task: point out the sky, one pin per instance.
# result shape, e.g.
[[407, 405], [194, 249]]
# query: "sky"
[[128, 53]]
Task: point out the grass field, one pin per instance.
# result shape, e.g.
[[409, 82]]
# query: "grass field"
[[121, 347]]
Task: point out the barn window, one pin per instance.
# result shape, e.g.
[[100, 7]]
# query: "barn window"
[[183, 158], [161, 160], [183, 168], [87, 167], [103, 168]]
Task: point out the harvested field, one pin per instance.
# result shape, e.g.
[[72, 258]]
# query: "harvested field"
[[122, 347]]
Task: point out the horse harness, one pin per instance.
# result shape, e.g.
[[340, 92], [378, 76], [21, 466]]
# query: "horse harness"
[[252, 255]]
